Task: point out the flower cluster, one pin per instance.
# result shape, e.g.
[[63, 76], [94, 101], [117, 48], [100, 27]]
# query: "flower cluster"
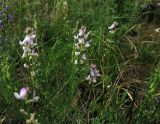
[[5, 15], [93, 73], [81, 43], [28, 44]]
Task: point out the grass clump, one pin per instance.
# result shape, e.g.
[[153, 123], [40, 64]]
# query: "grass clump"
[[88, 61]]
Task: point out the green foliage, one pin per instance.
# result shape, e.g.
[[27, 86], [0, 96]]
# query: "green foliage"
[[126, 92]]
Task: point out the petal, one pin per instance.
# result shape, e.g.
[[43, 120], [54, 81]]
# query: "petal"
[[80, 40], [23, 92], [113, 25], [77, 53], [84, 57], [92, 73], [87, 44], [88, 78], [81, 33], [76, 62], [94, 80], [16, 95]]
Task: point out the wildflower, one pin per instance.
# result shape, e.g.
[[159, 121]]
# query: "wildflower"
[[93, 74], [82, 31], [28, 44], [23, 93], [81, 43], [32, 119], [113, 26]]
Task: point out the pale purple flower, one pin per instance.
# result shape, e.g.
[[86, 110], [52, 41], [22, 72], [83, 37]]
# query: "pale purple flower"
[[82, 31], [22, 94], [81, 44], [28, 40], [28, 45], [93, 74]]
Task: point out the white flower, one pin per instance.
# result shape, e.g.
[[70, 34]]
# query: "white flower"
[[113, 26]]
